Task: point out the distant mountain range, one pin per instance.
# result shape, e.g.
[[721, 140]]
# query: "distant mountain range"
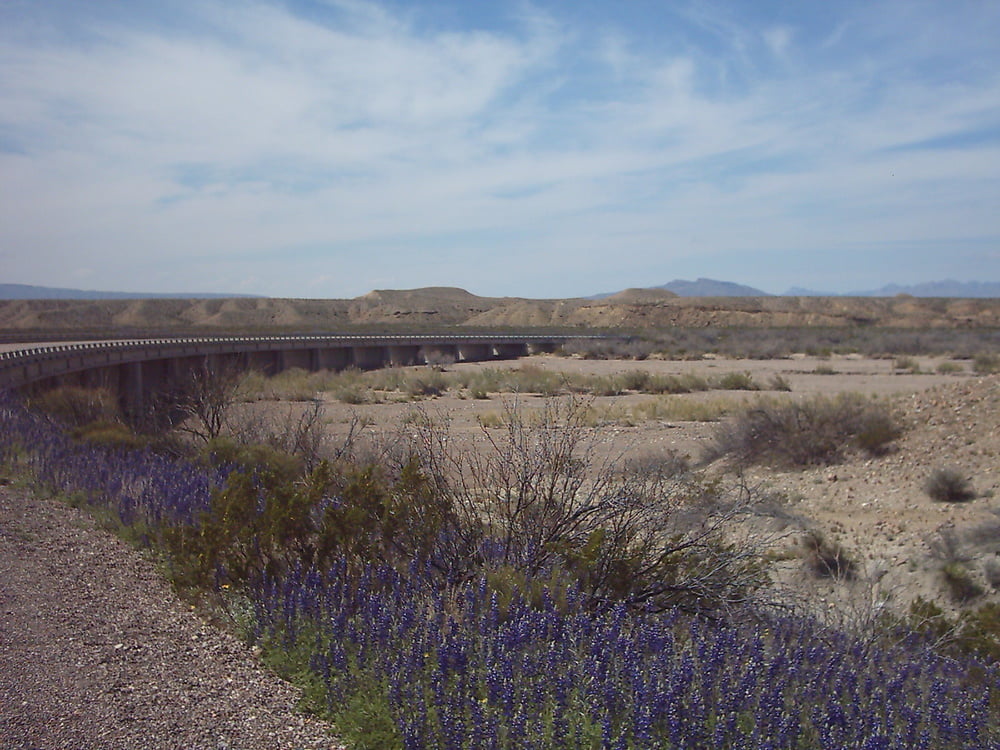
[[946, 288], [714, 288], [681, 287], [26, 291], [700, 288]]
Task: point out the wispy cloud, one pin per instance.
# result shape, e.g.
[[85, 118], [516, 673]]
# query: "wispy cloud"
[[326, 149]]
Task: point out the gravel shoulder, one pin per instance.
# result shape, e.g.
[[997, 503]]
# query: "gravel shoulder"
[[96, 651]]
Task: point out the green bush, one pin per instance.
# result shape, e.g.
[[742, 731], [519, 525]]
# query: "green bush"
[[948, 485]]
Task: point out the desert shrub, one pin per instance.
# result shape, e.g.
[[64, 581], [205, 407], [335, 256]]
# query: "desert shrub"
[[425, 383], [906, 363], [352, 394], [948, 485], [779, 383], [676, 408], [946, 545], [201, 402], [253, 457], [949, 368], [875, 431], [991, 569], [985, 364], [634, 380], [76, 406], [110, 435], [824, 370], [828, 559], [817, 431], [294, 429], [613, 348], [737, 381], [961, 585]]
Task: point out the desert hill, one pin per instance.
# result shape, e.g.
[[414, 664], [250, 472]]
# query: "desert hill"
[[437, 307]]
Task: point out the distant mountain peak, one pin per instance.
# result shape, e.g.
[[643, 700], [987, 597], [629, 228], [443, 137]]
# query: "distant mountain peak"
[[703, 287]]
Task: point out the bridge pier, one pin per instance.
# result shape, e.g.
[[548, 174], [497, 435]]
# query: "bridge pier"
[[510, 351], [438, 354], [403, 356], [474, 352], [369, 357], [294, 358], [336, 359]]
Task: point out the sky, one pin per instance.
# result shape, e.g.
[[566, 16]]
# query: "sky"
[[555, 148]]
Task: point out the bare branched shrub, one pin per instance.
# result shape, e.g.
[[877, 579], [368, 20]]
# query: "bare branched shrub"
[[818, 431], [948, 485], [203, 399], [828, 559], [536, 496], [297, 430]]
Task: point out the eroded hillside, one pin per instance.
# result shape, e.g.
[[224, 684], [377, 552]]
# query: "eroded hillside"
[[441, 306]]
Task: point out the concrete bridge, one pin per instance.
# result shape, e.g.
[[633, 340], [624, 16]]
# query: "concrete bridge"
[[137, 369]]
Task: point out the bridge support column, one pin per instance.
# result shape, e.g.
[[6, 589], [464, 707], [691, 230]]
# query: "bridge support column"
[[474, 352], [402, 356], [438, 354], [370, 357], [265, 362], [293, 358], [510, 351], [334, 359]]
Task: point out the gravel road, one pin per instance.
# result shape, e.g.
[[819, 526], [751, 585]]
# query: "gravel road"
[[97, 652]]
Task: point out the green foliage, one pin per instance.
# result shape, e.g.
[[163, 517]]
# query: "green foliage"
[[972, 631], [948, 485], [365, 720], [253, 457]]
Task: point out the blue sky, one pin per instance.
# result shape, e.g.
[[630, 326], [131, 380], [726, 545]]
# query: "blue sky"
[[541, 149]]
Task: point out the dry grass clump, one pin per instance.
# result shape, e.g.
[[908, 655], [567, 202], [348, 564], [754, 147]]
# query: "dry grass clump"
[[817, 431]]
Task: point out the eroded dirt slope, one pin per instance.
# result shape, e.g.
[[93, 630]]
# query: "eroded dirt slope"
[[443, 306]]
